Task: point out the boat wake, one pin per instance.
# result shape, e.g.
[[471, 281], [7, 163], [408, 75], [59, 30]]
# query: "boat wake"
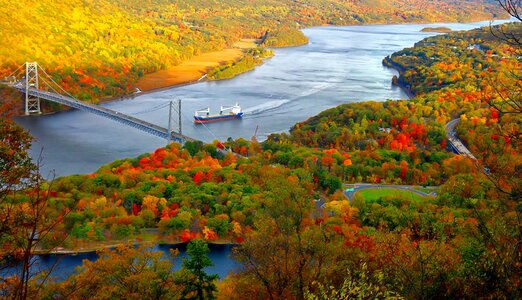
[[264, 107], [272, 105]]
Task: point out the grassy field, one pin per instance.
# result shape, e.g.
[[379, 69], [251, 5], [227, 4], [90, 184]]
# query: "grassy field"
[[375, 194], [188, 71]]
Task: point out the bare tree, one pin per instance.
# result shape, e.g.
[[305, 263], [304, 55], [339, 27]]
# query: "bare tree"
[[510, 95], [511, 35], [26, 222], [514, 9]]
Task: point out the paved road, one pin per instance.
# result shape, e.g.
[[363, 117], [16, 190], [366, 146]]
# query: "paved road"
[[454, 140], [411, 188]]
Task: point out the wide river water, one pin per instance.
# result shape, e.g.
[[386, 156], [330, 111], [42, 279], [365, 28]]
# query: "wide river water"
[[339, 65]]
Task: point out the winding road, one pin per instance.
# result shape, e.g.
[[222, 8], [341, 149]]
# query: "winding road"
[[455, 143]]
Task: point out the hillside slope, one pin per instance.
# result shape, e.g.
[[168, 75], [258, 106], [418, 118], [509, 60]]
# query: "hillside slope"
[[98, 48]]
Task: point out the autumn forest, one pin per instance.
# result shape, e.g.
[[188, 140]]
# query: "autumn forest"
[[291, 206]]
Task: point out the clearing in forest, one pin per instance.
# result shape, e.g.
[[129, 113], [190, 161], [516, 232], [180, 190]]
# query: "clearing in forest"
[[374, 194]]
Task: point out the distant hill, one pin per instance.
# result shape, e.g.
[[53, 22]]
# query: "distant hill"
[[100, 48]]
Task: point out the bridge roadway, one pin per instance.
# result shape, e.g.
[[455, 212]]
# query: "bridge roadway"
[[107, 113]]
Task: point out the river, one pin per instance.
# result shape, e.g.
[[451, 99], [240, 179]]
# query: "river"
[[64, 265], [339, 65]]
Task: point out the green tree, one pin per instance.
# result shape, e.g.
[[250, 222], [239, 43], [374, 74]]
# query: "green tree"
[[198, 284], [193, 147], [283, 256]]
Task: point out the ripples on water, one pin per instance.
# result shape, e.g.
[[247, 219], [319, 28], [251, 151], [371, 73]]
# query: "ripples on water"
[[339, 65]]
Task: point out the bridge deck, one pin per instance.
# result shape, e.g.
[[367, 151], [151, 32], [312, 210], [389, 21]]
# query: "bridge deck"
[[107, 113]]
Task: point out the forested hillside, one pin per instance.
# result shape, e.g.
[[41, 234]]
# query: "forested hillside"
[[470, 75], [100, 48], [298, 235]]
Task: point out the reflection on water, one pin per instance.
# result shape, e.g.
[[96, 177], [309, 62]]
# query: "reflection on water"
[[65, 265]]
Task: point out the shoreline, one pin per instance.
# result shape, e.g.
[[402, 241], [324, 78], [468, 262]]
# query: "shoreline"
[[387, 62], [94, 249], [189, 71], [203, 75], [61, 251], [205, 72], [154, 90], [202, 79]]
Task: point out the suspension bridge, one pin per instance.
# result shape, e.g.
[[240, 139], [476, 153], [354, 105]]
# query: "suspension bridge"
[[30, 84]]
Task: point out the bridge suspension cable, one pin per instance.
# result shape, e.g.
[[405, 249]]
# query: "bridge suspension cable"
[[33, 93], [15, 71], [49, 85], [66, 92], [30, 87], [149, 110]]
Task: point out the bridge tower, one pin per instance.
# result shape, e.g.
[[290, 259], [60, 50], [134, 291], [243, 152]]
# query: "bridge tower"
[[170, 128], [32, 104]]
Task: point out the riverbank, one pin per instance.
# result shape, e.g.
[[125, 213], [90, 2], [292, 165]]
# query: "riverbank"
[[189, 71], [437, 29], [297, 83], [387, 62], [195, 69], [142, 239], [94, 249]]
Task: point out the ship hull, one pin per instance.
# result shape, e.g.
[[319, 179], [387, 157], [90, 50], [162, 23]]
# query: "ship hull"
[[216, 118]]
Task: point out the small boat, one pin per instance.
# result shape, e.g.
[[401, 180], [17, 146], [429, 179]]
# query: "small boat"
[[225, 113]]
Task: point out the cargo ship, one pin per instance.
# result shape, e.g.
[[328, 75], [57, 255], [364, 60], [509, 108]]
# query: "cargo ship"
[[225, 113]]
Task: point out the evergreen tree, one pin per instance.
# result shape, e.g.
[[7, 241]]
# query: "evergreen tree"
[[198, 284]]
